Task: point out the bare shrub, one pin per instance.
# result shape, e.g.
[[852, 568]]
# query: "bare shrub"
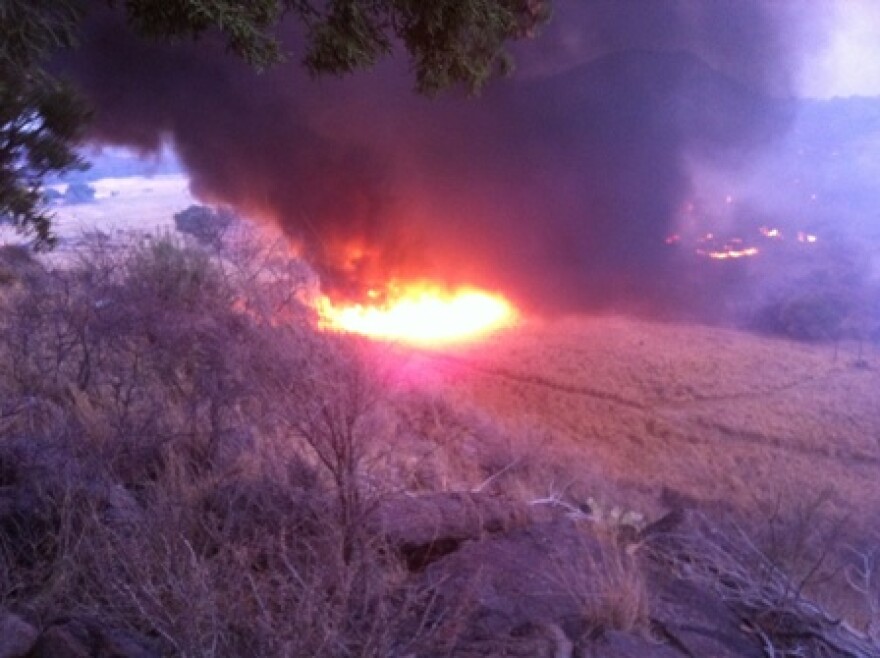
[[214, 487], [836, 299], [770, 602], [17, 264], [802, 536], [863, 576]]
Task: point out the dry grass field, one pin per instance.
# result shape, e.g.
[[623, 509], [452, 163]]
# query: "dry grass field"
[[122, 207], [135, 202], [716, 414]]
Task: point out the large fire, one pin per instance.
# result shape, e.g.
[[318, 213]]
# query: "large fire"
[[421, 314]]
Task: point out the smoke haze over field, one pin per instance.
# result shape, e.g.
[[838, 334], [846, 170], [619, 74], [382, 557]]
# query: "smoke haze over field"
[[558, 186]]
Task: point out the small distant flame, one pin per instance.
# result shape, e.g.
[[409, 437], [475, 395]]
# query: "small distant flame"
[[806, 237], [773, 233], [728, 254], [421, 314], [709, 245]]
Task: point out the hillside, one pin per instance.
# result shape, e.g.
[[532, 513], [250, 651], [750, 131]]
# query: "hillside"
[[189, 467], [186, 471], [714, 413]]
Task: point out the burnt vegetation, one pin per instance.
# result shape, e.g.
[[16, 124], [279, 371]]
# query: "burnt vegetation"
[[187, 467]]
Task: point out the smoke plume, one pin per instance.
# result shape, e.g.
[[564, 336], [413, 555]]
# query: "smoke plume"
[[557, 186]]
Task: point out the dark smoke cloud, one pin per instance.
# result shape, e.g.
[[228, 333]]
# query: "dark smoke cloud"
[[557, 186]]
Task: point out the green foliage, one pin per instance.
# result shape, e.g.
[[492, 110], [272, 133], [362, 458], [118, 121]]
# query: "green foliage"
[[40, 116], [450, 42], [246, 24]]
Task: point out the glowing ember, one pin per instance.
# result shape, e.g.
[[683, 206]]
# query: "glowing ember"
[[774, 233], [806, 237], [728, 254], [422, 314]]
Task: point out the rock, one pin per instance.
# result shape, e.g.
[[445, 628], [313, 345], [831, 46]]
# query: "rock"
[[537, 590], [69, 640], [665, 524], [426, 527], [527, 641], [614, 644], [120, 644], [82, 638], [698, 621], [521, 588], [17, 637]]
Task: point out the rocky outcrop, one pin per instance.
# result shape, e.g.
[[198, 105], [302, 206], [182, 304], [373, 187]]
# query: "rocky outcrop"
[[566, 587]]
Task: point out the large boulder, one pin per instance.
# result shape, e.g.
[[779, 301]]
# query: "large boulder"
[[526, 591]]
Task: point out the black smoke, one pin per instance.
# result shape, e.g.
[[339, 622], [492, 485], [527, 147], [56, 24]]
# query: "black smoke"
[[557, 186]]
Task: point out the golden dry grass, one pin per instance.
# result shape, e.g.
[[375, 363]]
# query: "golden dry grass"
[[716, 414]]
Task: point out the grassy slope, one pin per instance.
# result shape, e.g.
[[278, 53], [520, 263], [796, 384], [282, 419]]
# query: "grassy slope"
[[717, 414]]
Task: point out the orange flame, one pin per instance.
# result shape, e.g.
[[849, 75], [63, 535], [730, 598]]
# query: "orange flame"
[[728, 253], [421, 314], [733, 253]]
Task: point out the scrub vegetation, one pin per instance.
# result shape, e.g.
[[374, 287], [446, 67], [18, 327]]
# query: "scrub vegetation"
[[188, 467]]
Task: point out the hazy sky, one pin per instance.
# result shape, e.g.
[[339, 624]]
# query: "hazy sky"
[[849, 63]]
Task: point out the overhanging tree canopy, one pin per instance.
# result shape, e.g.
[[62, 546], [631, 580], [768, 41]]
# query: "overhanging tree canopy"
[[449, 42]]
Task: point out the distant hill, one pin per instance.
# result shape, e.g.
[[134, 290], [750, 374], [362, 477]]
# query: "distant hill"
[[119, 162]]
